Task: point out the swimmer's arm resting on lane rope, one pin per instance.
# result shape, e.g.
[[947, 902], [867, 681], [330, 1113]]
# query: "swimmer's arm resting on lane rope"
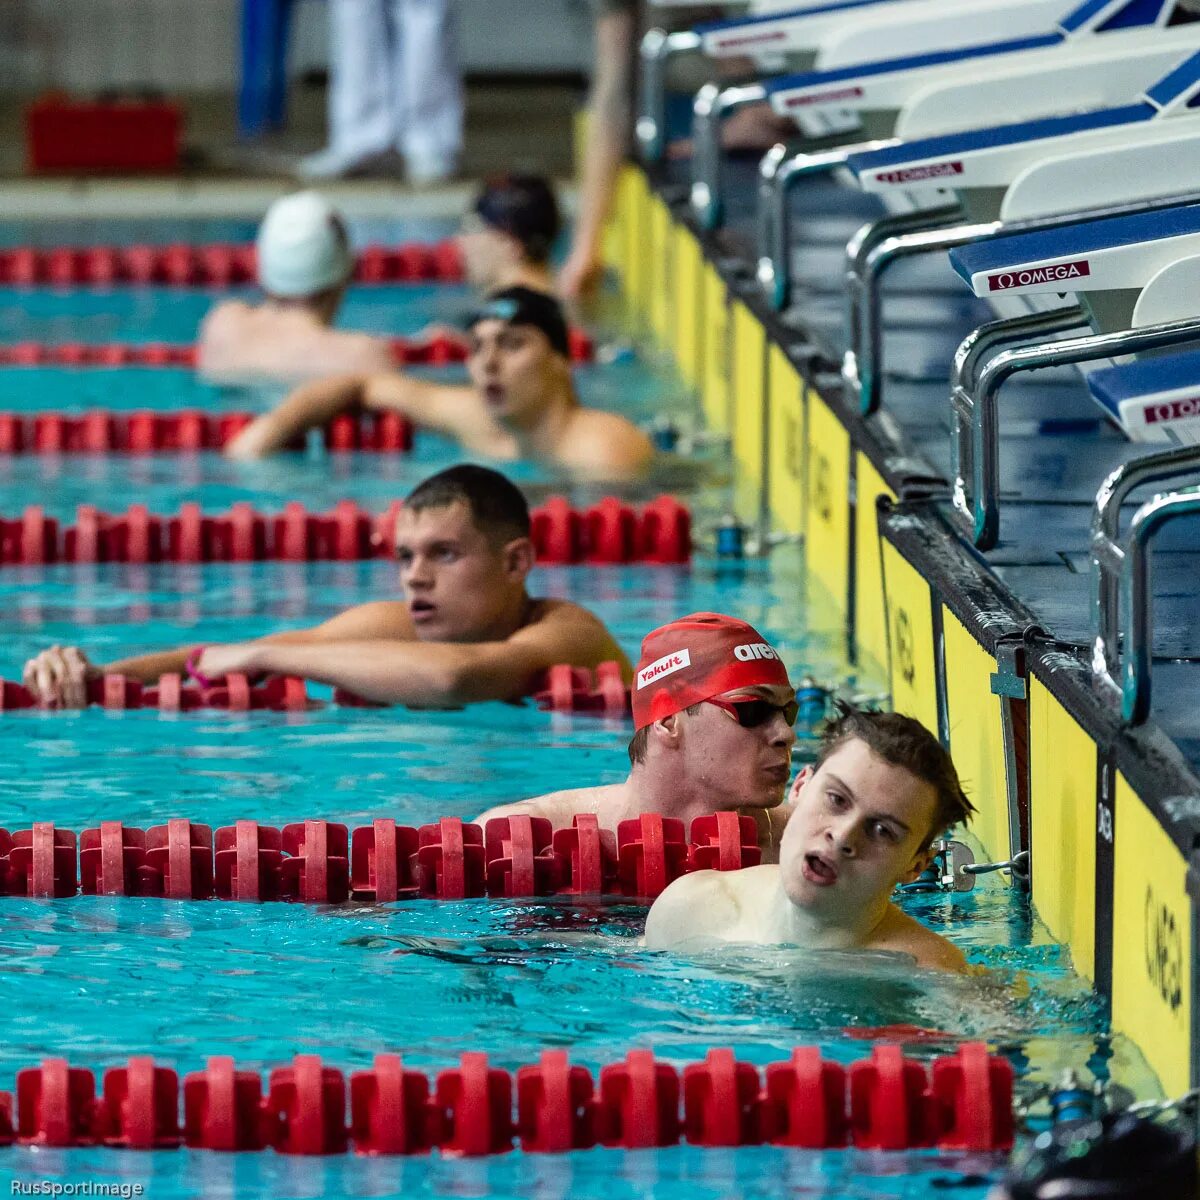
[[418, 674], [59, 676], [394, 669], [434, 405]]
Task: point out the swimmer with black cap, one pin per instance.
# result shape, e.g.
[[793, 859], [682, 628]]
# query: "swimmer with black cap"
[[713, 710], [520, 402], [861, 820], [305, 264]]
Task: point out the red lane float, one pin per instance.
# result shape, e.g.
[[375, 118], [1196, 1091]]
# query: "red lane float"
[[347, 533], [438, 351], [186, 432], [468, 1110], [604, 692], [277, 693], [210, 265], [323, 862]]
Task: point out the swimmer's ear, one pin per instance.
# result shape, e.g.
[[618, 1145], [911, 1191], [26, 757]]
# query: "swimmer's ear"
[[667, 730], [798, 784], [519, 557], [920, 864]]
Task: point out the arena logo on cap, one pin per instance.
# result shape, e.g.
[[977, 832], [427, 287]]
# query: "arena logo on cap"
[[667, 665], [749, 651], [1028, 276], [916, 174]]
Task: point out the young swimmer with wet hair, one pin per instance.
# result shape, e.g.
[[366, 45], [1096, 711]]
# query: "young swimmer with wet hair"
[[507, 237], [713, 711], [466, 630], [520, 402], [304, 267], [863, 820], [305, 264]]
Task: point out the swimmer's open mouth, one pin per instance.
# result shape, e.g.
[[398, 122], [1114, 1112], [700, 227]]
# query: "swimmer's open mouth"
[[421, 609], [819, 871], [493, 395]]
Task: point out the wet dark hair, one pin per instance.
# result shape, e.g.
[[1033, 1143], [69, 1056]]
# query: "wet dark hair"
[[498, 509], [903, 742], [524, 207]]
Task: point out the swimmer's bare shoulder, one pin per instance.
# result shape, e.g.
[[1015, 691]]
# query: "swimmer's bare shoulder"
[[710, 905], [561, 808], [571, 633], [605, 445], [899, 931]]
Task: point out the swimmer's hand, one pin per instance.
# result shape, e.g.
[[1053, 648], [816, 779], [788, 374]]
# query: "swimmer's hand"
[[237, 658], [58, 677], [581, 274]]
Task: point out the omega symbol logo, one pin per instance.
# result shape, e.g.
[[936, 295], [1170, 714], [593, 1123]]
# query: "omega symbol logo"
[[821, 495], [791, 445], [1164, 951], [906, 658]]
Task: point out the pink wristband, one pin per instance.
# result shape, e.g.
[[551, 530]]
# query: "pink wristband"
[[193, 672]]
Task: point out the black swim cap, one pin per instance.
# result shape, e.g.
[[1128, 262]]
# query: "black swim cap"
[[525, 306], [524, 207]]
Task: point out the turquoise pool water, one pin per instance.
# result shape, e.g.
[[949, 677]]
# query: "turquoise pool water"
[[97, 980]]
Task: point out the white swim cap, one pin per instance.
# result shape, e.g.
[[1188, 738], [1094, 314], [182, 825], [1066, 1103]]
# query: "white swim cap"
[[303, 247]]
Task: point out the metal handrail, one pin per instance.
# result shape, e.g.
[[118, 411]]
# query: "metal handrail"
[[710, 107], [877, 246], [657, 47], [869, 253], [975, 446], [777, 175], [1147, 522], [992, 335], [1108, 556]]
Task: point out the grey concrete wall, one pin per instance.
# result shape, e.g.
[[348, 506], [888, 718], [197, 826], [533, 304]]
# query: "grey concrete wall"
[[192, 45]]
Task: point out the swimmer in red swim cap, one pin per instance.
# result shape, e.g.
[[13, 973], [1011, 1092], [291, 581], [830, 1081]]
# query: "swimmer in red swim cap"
[[713, 711], [863, 818]]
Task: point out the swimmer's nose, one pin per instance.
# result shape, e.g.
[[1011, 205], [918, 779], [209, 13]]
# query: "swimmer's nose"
[[417, 575], [841, 840], [780, 732]]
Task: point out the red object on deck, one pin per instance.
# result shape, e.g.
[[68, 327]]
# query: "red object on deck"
[[118, 136]]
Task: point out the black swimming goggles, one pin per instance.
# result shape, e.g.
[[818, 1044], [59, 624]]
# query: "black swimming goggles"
[[751, 711]]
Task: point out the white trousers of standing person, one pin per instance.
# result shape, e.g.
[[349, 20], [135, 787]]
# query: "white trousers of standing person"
[[395, 81]]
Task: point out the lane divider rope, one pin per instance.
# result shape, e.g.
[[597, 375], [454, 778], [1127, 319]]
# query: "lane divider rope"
[[562, 688], [609, 532], [210, 265], [437, 351], [187, 432], [324, 862], [962, 1102]]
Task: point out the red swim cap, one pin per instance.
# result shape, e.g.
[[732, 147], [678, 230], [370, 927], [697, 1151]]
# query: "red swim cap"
[[697, 657]]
